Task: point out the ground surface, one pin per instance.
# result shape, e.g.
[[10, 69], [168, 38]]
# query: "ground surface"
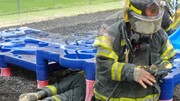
[[24, 81]]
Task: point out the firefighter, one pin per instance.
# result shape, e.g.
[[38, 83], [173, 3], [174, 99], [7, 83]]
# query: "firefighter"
[[171, 19], [167, 21], [174, 24], [133, 55], [71, 88]]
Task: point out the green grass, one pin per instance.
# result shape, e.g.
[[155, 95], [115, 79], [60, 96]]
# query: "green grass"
[[48, 14], [11, 6]]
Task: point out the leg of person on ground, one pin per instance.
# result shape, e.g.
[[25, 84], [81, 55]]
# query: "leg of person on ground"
[[71, 87]]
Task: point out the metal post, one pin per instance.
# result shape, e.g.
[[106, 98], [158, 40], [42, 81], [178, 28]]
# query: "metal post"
[[89, 5], [89, 2], [18, 6], [19, 12]]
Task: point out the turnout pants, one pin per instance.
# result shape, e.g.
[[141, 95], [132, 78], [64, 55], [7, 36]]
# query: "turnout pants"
[[71, 88]]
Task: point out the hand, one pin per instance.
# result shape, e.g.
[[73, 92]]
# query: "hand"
[[143, 77], [161, 74], [158, 73], [103, 30]]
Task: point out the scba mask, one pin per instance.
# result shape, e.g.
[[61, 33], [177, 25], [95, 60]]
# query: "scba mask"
[[147, 20]]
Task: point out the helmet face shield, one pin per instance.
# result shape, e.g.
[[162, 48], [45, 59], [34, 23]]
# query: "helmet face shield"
[[148, 18], [145, 17], [152, 10], [146, 24], [145, 27]]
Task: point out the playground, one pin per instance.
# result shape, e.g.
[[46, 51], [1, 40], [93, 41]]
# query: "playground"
[[24, 80], [61, 30]]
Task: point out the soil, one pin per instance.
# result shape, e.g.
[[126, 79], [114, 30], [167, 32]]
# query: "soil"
[[24, 81]]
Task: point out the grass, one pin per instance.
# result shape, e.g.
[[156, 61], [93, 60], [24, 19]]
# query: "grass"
[[11, 6], [48, 14]]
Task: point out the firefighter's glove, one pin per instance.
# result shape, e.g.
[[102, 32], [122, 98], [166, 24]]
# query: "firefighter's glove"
[[159, 74], [143, 77], [28, 97]]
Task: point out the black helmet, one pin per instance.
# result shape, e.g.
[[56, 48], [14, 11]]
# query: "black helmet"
[[145, 7], [143, 14]]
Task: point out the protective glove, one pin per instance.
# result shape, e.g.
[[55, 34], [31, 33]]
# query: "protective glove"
[[28, 97], [161, 74], [158, 73], [143, 77]]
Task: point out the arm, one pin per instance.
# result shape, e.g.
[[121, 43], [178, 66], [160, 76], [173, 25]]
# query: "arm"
[[167, 54], [163, 65], [107, 65], [107, 61]]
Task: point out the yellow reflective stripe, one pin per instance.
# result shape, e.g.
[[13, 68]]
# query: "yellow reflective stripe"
[[120, 71], [53, 89], [153, 97], [168, 64], [106, 40], [175, 24], [116, 71], [129, 2], [123, 42], [167, 47], [169, 55], [167, 29], [170, 48], [98, 43], [135, 10], [104, 45], [113, 70], [99, 96], [126, 6], [109, 53], [112, 55], [176, 21], [102, 40], [56, 98]]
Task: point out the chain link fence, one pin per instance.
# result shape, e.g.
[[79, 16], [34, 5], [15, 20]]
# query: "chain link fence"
[[26, 11]]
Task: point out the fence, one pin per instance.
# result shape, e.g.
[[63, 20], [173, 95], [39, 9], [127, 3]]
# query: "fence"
[[24, 11]]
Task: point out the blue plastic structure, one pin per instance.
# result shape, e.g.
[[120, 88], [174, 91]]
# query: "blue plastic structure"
[[18, 32], [23, 52], [174, 38], [43, 57]]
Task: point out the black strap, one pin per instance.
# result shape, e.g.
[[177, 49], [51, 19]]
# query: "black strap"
[[128, 42]]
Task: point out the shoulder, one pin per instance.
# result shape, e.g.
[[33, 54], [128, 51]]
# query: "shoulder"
[[115, 29], [161, 36]]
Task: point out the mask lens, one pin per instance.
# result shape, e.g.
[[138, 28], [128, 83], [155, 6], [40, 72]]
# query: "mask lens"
[[152, 10]]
